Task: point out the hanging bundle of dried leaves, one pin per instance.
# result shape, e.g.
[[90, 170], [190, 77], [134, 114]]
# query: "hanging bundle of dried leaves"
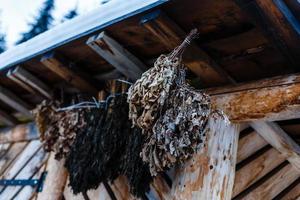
[[58, 129], [180, 131], [109, 147], [171, 113]]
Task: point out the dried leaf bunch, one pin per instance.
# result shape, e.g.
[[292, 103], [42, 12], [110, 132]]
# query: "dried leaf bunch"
[[149, 93], [57, 129], [174, 118]]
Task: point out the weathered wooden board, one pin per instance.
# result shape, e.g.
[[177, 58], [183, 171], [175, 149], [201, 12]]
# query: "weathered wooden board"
[[19, 133], [249, 144], [27, 172], [280, 140], [55, 181], [10, 157], [160, 189], [256, 169], [293, 194], [117, 55], [274, 185], [210, 173], [58, 67], [21, 160]]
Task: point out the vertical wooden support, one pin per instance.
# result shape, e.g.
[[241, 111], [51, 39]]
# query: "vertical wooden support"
[[210, 173], [55, 180]]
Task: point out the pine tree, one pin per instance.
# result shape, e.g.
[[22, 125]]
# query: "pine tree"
[[42, 23], [2, 43], [71, 14]]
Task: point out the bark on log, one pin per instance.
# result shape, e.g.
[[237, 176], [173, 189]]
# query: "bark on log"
[[55, 180], [210, 173]]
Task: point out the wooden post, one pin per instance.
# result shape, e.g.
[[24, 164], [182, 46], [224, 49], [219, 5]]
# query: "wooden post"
[[210, 173], [55, 180]]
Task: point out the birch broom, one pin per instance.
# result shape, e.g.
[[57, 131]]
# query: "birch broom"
[[171, 113]]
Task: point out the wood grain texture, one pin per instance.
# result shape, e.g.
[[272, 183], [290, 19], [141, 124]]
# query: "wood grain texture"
[[170, 34], [160, 188], [53, 63], [210, 173], [274, 185], [256, 169], [55, 181], [26, 173], [19, 133], [293, 194], [280, 140], [117, 55], [269, 104]]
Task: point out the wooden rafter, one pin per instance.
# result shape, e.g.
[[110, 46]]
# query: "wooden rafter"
[[8, 119], [171, 35], [117, 55], [56, 65], [14, 101], [32, 81]]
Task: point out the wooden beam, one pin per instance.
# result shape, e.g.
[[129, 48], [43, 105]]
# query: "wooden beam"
[[270, 103], [256, 169], [117, 55], [171, 35], [8, 119], [14, 101], [250, 144], [56, 65], [32, 81], [210, 173], [274, 185], [55, 181], [22, 132], [293, 194], [275, 136]]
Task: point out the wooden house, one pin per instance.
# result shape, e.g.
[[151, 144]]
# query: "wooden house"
[[247, 58]]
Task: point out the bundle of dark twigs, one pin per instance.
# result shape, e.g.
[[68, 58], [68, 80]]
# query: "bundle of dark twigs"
[[109, 147], [172, 115]]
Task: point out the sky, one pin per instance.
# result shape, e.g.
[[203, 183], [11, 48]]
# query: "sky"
[[16, 14]]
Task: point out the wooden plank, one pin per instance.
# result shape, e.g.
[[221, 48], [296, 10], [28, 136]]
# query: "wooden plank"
[[30, 192], [14, 101], [19, 133], [256, 169], [269, 104], [117, 55], [274, 185], [170, 34], [22, 159], [250, 144], [32, 81], [55, 181], [19, 82], [53, 63], [275, 136], [11, 155], [293, 194], [210, 173], [26, 173]]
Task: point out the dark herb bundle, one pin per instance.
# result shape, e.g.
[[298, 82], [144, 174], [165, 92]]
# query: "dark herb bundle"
[[106, 149]]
